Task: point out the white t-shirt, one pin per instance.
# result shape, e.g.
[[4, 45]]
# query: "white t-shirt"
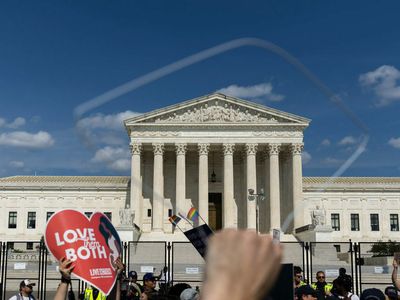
[[23, 297], [352, 296]]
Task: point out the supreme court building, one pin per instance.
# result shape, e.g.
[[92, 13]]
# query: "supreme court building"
[[209, 153]]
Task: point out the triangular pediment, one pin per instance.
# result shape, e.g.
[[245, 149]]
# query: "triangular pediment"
[[217, 109]]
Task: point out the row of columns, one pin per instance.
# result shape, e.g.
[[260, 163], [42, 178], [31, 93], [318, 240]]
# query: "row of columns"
[[272, 168]]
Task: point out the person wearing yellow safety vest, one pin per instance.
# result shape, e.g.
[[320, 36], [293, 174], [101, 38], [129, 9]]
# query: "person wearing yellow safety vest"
[[321, 285], [91, 293]]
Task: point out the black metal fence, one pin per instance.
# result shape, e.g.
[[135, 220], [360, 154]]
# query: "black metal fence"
[[30, 259]]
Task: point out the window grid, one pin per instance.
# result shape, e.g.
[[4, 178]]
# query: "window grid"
[[335, 222], [394, 222], [355, 222], [49, 214], [31, 223], [12, 219], [374, 222]]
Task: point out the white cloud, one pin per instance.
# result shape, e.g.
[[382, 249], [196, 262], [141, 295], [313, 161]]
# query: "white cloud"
[[16, 164], [348, 140], [116, 158], [112, 122], [18, 122], [383, 81], [326, 142], [395, 142], [305, 157], [332, 161], [262, 90], [42, 139]]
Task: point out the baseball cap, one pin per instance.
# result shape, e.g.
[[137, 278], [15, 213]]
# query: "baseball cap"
[[26, 282], [306, 290], [132, 274], [148, 276], [391, 292], [189, 294], [372, 294]]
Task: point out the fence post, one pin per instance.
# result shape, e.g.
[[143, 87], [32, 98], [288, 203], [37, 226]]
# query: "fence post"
[[172, 264], [356, 261], [306, 267]]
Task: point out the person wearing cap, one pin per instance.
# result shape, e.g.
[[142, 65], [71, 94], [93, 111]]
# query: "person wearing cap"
[[149, 285], [342, 288], [25, 291], [321, 286], [392, 293], [306, 292], [134, 288], [372, 294]]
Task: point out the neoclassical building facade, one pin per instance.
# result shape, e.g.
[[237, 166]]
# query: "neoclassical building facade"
[[239, 163]]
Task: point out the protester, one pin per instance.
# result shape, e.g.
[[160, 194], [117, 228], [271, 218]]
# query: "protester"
[[321, 286], [396, 282], [65, 267], [134, 288], [305, 292], [164, 280], [372, 294], [25, 291], [392, 293], [342, 288], [149, 285], [240, 265]]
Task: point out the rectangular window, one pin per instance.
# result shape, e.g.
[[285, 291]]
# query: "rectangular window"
[[355, 222], [374, 222], [169, 212], [12, 219], [31, 223], [88, 214], [49, 214], [149, 212], [10, 245], [29, 246], [335, 222], [394, 222], [108, 215]]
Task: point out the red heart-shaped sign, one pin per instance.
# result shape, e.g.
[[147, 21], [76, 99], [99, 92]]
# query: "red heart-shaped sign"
[[93, 244]]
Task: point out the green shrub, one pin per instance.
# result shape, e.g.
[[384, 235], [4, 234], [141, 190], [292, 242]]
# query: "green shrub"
[[384, 248]]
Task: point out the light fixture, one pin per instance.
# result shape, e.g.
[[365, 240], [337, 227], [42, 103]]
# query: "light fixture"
[[213, 175]]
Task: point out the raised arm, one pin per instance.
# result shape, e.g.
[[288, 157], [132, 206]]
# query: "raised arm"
[[396, 282], [65, 267], [232, 253]]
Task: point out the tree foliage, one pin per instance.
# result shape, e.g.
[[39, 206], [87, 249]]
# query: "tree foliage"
[[384, 248]]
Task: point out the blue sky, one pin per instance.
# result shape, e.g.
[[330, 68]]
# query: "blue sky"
[[54, 56]]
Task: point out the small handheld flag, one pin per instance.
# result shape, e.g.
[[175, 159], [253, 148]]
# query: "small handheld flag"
[[193, 214], [174, 220]]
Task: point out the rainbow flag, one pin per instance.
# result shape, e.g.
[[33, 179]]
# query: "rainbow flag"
[[193, 214], [174, 220]]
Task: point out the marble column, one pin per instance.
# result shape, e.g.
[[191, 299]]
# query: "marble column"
[[203, 181], [136, 201], [228, 201], [297, 178], [158, 187], [274, 186], [180, 187], [251, 175]]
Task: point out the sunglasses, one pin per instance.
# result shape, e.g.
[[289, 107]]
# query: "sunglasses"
[[299, 276], [321, 277]]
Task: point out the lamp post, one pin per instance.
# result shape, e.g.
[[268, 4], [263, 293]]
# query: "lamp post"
[[251, 196]]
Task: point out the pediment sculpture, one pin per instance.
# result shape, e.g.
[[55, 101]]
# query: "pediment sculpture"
[[217, 114]]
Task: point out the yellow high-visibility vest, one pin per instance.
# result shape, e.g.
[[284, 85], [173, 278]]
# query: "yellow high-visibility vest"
[[89, 295]]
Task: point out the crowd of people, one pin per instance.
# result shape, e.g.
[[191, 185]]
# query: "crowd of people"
[[341, 287], [245, 270]]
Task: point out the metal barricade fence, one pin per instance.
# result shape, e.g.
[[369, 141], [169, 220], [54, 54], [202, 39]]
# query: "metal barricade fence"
[[330, 257], [373, 270], [187, 264], [145, 257], [30, 259]]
